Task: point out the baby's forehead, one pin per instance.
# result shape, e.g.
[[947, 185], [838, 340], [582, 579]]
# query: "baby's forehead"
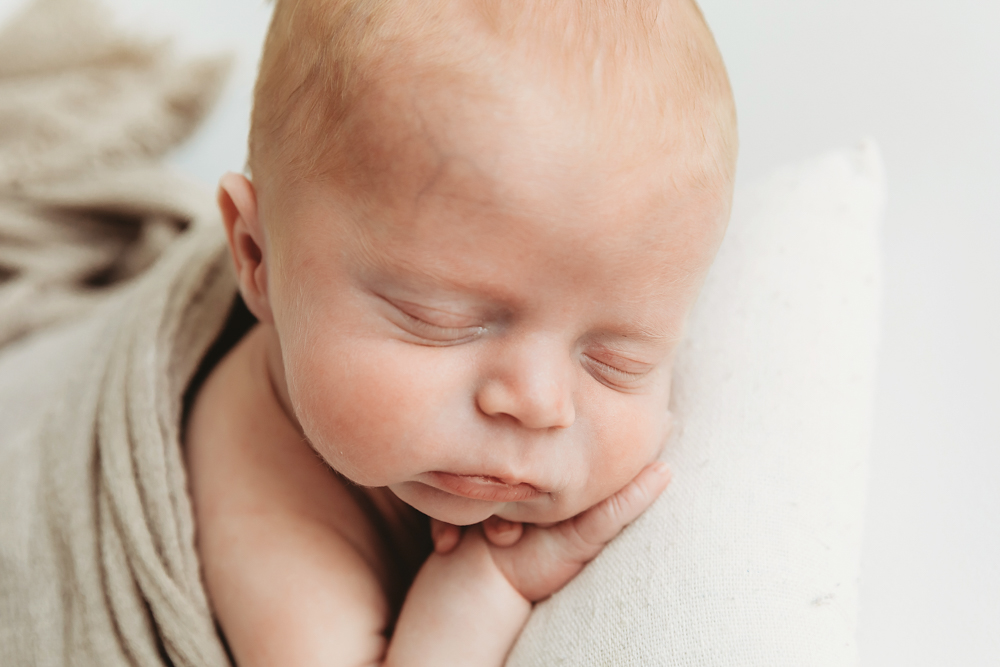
[[410, 143], [637, 232]]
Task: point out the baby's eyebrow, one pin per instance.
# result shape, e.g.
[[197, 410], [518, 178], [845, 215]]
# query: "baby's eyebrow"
[[650, 335], [640, 334], [423, 278]]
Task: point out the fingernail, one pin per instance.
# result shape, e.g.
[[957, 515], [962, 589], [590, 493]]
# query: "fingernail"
[[503, 525], [663, 470]]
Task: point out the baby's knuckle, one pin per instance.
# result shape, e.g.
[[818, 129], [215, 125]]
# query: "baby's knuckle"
[[634, 498], [617, 509], [577, 547]]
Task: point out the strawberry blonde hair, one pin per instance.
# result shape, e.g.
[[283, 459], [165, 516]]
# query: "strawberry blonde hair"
[[634, 61]]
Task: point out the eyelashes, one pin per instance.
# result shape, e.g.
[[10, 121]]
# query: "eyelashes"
[[613, 376], [433, 333], [437, 328], [439, 335]]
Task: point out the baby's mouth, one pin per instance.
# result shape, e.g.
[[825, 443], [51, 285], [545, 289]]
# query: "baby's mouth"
[[483, 487]]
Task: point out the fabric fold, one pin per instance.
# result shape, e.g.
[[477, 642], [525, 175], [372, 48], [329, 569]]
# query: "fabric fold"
[[109, 573], [114, 281]]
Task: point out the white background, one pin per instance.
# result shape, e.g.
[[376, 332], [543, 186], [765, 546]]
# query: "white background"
[[922, 79]]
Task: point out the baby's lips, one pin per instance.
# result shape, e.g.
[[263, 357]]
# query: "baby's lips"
[[477, 487]]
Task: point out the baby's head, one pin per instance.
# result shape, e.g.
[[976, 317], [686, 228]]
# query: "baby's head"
[[474, 232]]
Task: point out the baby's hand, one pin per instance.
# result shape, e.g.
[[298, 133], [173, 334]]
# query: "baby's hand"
[[538, 561]]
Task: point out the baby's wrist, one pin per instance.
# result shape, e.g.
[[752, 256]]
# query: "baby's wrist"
[[473, 565], [466, 596]]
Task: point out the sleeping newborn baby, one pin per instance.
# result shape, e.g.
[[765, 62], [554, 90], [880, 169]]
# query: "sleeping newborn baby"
[[473, 233]]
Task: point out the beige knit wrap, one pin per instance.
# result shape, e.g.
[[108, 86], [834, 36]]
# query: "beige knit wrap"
[[97, 558]]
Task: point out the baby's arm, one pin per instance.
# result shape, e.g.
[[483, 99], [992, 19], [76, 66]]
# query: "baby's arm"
[[473, 595]]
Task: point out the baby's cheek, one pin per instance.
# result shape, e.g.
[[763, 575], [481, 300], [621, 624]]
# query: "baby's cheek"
[[630, 438], [374, 408], [349, 410]]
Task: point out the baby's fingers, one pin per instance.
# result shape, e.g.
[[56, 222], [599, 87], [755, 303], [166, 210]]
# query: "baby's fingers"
[[502, 533], [598, 525], [445, 536]]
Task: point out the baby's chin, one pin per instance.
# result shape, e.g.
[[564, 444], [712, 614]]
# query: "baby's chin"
[[444, 506], [461, 511], [470, 516]]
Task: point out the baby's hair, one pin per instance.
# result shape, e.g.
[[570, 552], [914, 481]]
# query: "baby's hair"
[[630, 60]]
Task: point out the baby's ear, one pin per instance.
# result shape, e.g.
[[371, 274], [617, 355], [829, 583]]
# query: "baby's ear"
[[238, 205]]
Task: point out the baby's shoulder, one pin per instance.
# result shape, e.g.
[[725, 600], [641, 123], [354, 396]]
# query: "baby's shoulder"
[[281, 537]]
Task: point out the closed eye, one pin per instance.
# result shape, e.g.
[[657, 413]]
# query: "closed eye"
[[432, 326], [614, 377]]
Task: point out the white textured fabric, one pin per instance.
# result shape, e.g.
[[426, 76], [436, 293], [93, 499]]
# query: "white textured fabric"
[[751, 556]]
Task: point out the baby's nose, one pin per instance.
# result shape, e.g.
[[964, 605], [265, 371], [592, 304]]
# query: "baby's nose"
[[531, 383]]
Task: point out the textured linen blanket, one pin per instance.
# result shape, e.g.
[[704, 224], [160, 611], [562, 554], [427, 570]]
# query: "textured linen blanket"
[[97, 559]]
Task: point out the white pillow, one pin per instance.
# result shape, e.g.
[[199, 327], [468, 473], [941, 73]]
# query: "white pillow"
[[751, 556]]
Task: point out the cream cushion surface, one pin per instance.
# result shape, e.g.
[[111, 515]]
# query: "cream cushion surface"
[[751, 556]]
